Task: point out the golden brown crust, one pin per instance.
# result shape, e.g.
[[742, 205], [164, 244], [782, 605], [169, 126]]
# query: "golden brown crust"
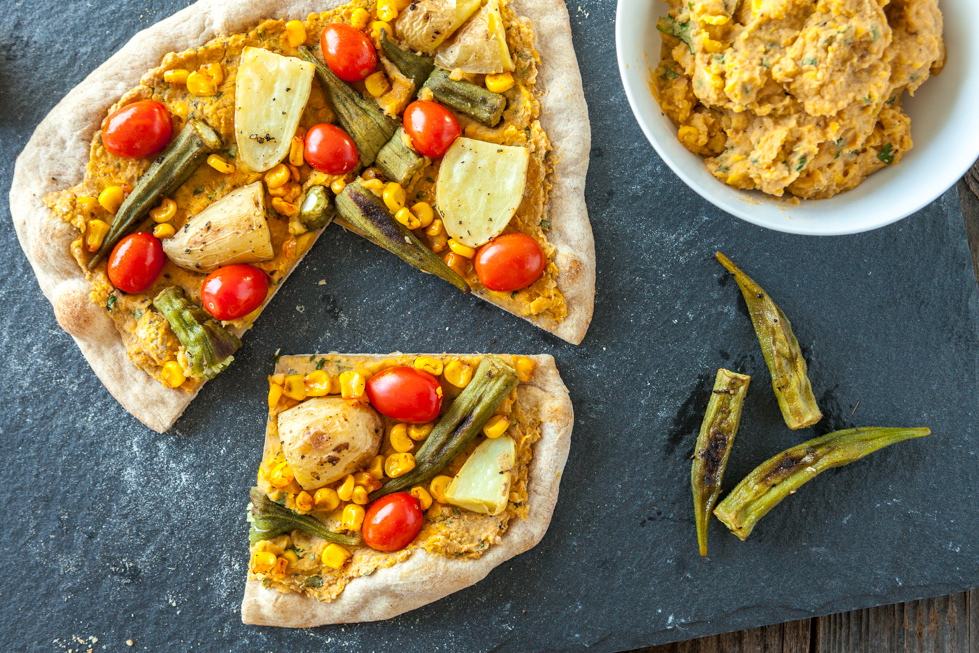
[[425, 577]]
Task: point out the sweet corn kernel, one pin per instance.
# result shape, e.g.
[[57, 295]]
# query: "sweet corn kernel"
[[295, 33], [402, 4], [291, 556], [297, 151], [201, 85], [376, 468], [281, 475], [95, 232], [295, 387], [525, 368], [346, 489], [420, 431], [334, 556], [220, 164], [359, 496], [500, 82], [458, 263], [262, 562], [278, 176], [425, 213], [435, 228], [86, 204], [165, 211], [375, 186], [353, 517], [360, 18], [496, 426], [407, 218], [363, 478], [372, 173], [428, 364], [423, 496], [304, 501], [438, 486], [326, 498], [288, 192], [164, 231], [180, 109], [387, 10], [399, 464], [278, 570], [176, 76], [337, 186], [460, 249], [214, 71], [377, 26], [272, 546], [275, 393], [283, 207], [439, 243], [400, 441], [393, 196], [318, 384], [111, 198], [353, 385], [377, 84], [458, 373], [173, 374]]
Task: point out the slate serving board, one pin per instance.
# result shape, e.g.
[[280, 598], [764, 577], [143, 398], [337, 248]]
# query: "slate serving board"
[[112, 532]]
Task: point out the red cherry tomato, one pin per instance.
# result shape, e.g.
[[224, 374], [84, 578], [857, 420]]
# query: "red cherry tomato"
[[392, 522], [431, 127], [135, 262], [510, 262], [138, 129], [329, 149], [348, 52], [405, 394], [234, 291]]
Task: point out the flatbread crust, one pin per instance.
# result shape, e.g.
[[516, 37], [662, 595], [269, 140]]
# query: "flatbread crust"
[[424, 577], [56, 156]]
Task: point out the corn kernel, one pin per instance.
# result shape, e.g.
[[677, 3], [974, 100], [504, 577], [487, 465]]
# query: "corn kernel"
[[423, 496], [275, 393], [377, 84], [295, 387], [164, 231], [525, 368], [86, 204], [297, 151], [95, 232], [201, 85], [435, 228], [378, 26], [458, 373], [111, 198], [400, 441], [337, 186], [402, 4], [425, 213], [277, 177], [393, 196], [375, 186], [271, 546], [295, 33], [376, 468], [399, 464], [363, 478], [176, 76], [387, 10], [220, 164], [372, 173], [407, 218], [318, 384], [458, 263], [360, 18], [262, 562], [165, 211], [281, 475], [359, 496], [500, 82], [278, 570], [173, 374], [326, 498], [334, 556], [353, 517], [291, 556], [214, 72], [346, 489], [496, 426], [304, 501], [438, 486], [420, 431], [353, 385], [428, 364], [283, 207], [180, 109], [460, 249]]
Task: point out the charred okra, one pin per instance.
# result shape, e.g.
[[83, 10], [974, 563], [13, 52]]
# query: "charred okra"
[[316, 209], [268, 519], [209, 345], [398, 161], [415, 67], [474, 101]]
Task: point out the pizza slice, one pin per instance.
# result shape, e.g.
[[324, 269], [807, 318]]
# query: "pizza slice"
[[161, 226], [389, 482]]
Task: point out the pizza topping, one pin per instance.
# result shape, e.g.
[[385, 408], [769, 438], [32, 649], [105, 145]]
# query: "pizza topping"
[[348, 52], [480, 45], [474, 101], [329, 149], [137, 130], [231, 230], [234, 291], [483, 483], [268, 519], [398, 161], [415, 67], [208, 345], [406, 394], [136, 262], [426, 24], [480, 186], [392, 522], [271, 92], [431, 128], [510, 262], [316, 208]]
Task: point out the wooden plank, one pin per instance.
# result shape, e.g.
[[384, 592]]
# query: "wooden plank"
[[792, 637]]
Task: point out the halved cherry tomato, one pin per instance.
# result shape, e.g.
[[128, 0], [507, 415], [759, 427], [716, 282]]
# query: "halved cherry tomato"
[[510, 262], [329, 149], [135, 262], [405, 394], [431, 127], [138, 129], [348, 52], [234, 291], [392, 522]]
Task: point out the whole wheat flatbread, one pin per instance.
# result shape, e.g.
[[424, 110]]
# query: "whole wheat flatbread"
[[56, 156], [425, 577]]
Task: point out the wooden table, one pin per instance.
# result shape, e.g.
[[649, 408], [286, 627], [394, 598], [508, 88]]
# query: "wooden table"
[[948, 624]]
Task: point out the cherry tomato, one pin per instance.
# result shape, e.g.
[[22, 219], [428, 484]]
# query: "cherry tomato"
[[135, 262], [329, 149], [405, 394], [510, 262], [234, 291], [348, 52], [138, 129], [392, 522], [431, 127]]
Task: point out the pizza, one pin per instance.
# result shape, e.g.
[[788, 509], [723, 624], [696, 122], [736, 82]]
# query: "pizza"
[[165, 200], [389, 482]]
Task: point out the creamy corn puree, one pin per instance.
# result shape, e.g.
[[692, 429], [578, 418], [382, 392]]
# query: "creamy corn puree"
[[796, 95]]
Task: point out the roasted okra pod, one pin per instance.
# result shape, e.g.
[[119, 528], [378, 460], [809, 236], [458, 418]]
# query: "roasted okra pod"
[[268, 519]]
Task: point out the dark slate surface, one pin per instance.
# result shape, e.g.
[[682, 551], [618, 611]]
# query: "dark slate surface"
[[114, 532]]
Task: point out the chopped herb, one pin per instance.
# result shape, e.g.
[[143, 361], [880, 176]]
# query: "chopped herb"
[[138, 313], [313, 581], [320, 364], [110, 303], [668, 25], [876, 34], [198, 191], [887, 154], [513, 295], [545, 224], [802, 164], [668, 73], [812, 61]]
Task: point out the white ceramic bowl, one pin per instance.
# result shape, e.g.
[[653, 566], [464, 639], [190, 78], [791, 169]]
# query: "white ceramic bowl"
[[944, 125]]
